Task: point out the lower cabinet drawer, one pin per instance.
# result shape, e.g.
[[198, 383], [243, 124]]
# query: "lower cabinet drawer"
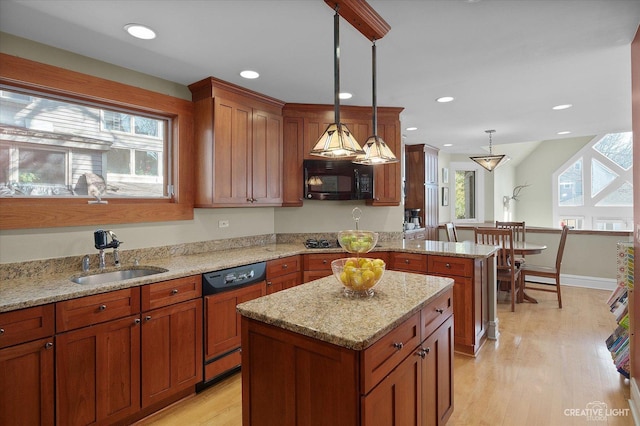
[[167, 293], [321, 261], [26, 324], [90, 310], [222, 365], [436, 313], [383, 356], [409, 262], [445, 265]]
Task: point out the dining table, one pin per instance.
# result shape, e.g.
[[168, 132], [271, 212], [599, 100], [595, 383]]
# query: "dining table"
[[524, 248]]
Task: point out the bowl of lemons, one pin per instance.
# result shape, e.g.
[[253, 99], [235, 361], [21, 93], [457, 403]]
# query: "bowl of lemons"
[[358, 275], [357, 241]]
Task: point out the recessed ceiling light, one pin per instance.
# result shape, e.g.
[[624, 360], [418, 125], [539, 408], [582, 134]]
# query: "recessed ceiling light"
[[564, 132], [345, 95], [411, 129], [444, 99], [563, 106], [447, 144], [140, 31], [249, 74]]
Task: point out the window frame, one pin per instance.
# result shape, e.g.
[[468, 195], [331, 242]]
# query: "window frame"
[[24, 213], [589, 211], [479, 190]]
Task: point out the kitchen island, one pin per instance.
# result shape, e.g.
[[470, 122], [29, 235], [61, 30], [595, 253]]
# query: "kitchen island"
[[310, 355]]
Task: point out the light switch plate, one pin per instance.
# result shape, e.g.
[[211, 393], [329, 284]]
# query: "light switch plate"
[[223, 224]]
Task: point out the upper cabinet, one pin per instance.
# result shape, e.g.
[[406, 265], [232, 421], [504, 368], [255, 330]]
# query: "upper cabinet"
[[238, 146], [303, 125]]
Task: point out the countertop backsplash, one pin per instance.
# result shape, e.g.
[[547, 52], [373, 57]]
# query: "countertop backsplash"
[[73, 264]]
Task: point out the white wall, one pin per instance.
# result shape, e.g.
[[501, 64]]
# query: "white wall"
[[535, 206]]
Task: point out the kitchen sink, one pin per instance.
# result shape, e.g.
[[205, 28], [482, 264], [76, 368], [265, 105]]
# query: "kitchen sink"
[[119, 275]]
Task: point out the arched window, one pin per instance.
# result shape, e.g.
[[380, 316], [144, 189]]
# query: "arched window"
[[594, 189]]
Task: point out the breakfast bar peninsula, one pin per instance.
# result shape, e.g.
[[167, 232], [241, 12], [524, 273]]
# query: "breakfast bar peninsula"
[[311, 355]]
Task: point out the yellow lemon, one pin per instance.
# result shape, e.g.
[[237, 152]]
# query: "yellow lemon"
[[368, 279]]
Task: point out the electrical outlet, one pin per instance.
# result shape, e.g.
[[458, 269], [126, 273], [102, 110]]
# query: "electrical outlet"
[[223, 224]]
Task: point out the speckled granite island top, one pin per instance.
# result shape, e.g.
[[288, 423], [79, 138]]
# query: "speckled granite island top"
[[320, 310]]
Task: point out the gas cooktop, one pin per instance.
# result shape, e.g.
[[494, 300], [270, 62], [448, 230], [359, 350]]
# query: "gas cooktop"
[[312, 243]]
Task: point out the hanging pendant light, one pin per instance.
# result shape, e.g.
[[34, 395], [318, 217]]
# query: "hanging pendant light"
[[376, 151], [489, 162], [337, 141]]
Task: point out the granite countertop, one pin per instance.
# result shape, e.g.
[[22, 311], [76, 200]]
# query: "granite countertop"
[[320, 310], [22, 287]]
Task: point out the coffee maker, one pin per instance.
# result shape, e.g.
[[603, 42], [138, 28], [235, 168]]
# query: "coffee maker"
[[415, 217]]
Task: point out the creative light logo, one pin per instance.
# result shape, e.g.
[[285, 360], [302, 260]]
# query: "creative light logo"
[[596, 411]]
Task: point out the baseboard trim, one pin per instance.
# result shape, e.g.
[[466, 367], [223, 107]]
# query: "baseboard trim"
[[634, 402], [580, 281]]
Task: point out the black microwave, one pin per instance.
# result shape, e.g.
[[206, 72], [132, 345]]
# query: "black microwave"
[[337, 180]]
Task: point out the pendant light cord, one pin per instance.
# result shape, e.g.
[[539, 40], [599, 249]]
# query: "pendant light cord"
[[374, 100], [336, 66]]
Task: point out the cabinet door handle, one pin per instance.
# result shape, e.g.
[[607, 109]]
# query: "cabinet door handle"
[[285, 266], [147, 318], [324, 261], [102, 307], [447, 265], [398, 346], [174, 291], [406, 261], [438, 310], [48, 345], [137, 321], [421, 353], [1, 330], [426, 350], [269, 283]]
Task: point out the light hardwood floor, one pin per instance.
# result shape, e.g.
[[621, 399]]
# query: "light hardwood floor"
[[547, 361]]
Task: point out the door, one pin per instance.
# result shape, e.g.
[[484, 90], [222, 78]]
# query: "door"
[[222, 327], [171, 350], [232, 137], [266, 170], [397, 399], [437, 375], [98, 372], [26, 374]]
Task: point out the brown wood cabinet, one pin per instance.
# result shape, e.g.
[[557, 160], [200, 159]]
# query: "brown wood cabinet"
[[318, 265], [98, 358], [171, 338], [27, 366], [304, 123], [239, 146], [222, 329], [470, 298], [403, 379], [421, 181], [98, 372], [408, 262], [283, 273]]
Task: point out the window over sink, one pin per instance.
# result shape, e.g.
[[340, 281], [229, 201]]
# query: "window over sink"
[[56, 147], [138, 158]]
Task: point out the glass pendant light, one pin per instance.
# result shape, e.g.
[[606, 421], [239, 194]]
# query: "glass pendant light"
[[376, 151], [337, 141], [489, 162]]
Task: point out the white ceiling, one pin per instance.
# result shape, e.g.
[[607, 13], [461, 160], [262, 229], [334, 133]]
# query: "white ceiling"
[[506, 62]]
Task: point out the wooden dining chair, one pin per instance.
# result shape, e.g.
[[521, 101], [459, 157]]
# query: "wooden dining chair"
[[519, 233], [452, 234], [552, 272], [507, 271]]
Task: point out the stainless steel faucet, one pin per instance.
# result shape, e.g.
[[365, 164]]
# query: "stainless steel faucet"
[[100, 237]]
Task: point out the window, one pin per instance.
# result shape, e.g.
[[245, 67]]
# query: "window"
[[468, 202], [58, 147], [594, 189], [44, 151]]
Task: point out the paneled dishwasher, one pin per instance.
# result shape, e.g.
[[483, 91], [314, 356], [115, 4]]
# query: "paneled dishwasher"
[[222, 291]]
